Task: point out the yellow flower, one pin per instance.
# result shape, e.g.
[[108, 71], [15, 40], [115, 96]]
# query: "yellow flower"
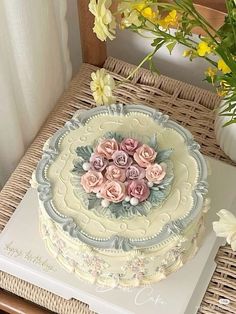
[[203, 49], [211, 72], [170, 20], [102, 86], [222, 66], [129, 16], [187, 53], [148, 13], [104, 23], [221, 92], [132, 10]]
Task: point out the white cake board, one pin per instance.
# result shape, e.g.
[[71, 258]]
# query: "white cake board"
[[23, 254]]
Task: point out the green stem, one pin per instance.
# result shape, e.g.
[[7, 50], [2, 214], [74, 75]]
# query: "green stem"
[[204, 24], [231, 22], [185, 43], [148, 57]]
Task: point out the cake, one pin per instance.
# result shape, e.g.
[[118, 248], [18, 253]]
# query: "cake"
[[122, 195]]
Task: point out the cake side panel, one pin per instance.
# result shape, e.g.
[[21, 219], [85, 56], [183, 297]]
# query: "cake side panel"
[[118, 268]]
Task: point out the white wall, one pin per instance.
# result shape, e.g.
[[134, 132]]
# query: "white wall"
[[131, 48]]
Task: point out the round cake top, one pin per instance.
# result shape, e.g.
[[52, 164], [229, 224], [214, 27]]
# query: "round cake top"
[[144, 222]]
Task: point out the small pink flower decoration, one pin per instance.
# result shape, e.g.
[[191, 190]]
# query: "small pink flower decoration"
[[134, 172], [145, 155], [113, 191], [107, 148], [115, 173], [138, 189], [98, 163], [92, 181], [121, 159], [156, 173], [129, 145]]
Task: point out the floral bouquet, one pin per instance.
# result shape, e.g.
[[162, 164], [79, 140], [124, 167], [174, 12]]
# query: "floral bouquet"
[[168, 24], [123, 175]]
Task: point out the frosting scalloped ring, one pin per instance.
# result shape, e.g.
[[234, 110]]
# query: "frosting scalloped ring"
[[122, 194]]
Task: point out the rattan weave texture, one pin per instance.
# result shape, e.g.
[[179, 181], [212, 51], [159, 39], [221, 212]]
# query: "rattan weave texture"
[[186, 104]]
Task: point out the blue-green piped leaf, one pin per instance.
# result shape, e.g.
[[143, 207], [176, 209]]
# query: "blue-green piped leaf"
[[156, 196], [163, 155], [153, 142], [78, 168], [84, 152], [93, 201], [116, 136], [164, 184], [140, 209]]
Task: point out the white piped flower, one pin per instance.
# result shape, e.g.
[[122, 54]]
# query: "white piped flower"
[[226, 227], [102, 86], [104, 23]]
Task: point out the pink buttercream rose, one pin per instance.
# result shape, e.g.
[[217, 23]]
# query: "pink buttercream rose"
[[115, 173], [121, 159], [156, 173], [134, 172], [107, 148], [138, 189], [144, 155], [98, 163], [113, 191], [129, 145], [92, 181]]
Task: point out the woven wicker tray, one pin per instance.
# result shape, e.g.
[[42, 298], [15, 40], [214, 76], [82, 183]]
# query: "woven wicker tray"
[[187, 105]]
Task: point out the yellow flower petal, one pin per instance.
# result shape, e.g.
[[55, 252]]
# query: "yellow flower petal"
[[203, 49], [222, 66], [211, 72], [170, 20]]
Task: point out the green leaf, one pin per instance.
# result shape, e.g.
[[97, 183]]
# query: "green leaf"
[[163, 155], [156, 41], [230, 122], [84, 152], [171, 46]]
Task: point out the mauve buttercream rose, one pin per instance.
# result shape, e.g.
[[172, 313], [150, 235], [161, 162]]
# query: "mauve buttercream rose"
[[145, 155], [98, 163], [134, 172], [113, 191], [115, 173], [107, 148], [121, 159], [92, 181], [156, 173], [129, 145], [138, 189]]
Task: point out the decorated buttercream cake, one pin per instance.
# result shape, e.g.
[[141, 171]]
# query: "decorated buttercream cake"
[[122, 195]]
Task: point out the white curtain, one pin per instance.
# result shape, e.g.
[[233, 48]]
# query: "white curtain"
[[35, 68]]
